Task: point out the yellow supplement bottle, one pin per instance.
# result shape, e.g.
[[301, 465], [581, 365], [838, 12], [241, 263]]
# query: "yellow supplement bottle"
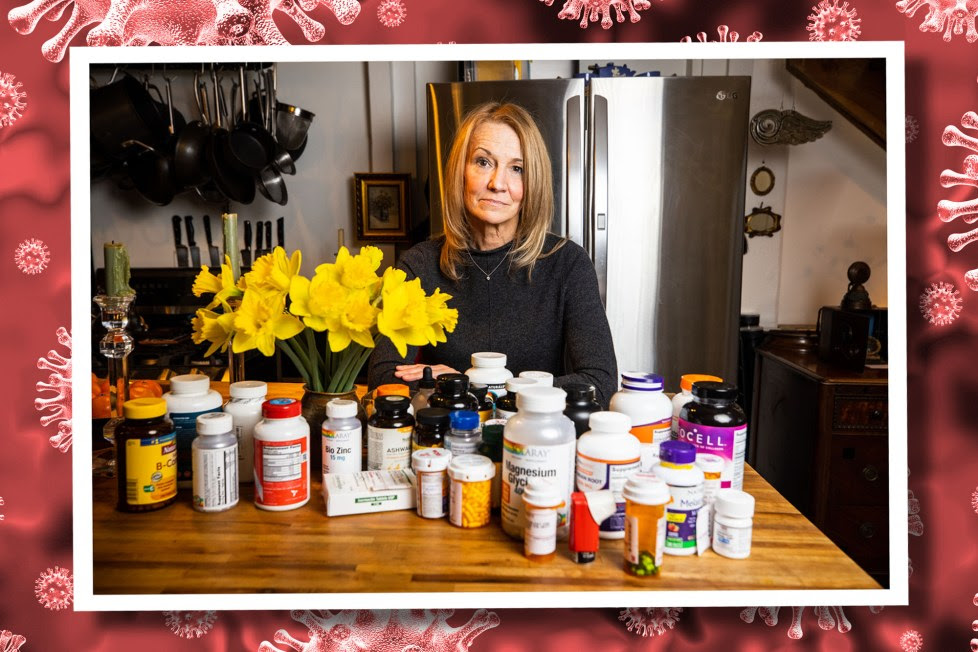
[[146, 456]]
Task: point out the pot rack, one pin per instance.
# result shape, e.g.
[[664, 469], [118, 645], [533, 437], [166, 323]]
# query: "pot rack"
[[160, 66]]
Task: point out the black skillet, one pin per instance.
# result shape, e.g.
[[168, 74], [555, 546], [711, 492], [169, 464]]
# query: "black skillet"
[[190, 168], [233, 185]]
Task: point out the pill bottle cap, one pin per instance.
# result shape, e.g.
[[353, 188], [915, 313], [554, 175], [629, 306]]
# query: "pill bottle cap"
[[734, 503], [214, 423], [541, 399], [488, 359], [281, 408], [341, 408], [452, 384], [708, 462], [714, 390], [517, 385], [190, 384], [544, 378], [465, 420], [391, 404], [393, 389], [248, 389], [541, 493], [431, 459], [646, 489], [641, 380], [471, 468], [579, 392], [686, 380], [677, 452], [433, 417], [609, 422], [144, 408]]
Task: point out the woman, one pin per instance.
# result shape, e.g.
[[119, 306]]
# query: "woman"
[[519, 290]]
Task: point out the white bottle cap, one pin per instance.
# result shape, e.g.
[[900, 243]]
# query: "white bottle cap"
[[214, 423], [341, 408], [516, 385], [646, 489], [488, 359], [709, 463], [609, 422], [190, 384], [430, 459], [544, 378], [248, 389], [471, 468], [541, 399], [541, 493], [734, 503]]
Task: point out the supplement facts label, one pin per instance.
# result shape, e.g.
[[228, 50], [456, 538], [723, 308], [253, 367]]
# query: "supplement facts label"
[[282, 472], [185, 426], [215, 478]]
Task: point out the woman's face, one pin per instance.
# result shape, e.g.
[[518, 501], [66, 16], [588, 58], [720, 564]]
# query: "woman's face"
[[494, 174]]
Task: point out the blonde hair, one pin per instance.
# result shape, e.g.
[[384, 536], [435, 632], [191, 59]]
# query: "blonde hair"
[[537, 208]]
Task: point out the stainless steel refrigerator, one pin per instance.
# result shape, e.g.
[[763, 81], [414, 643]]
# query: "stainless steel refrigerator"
[[649, 177]]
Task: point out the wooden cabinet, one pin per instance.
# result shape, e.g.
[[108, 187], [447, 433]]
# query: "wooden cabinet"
[[819, 436]]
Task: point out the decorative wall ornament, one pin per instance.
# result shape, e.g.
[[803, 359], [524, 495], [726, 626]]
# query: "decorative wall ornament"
[[775, 127]]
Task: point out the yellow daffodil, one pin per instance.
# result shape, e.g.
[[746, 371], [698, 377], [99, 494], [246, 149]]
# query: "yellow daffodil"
[[260, 320], [357, 317], [214, 328], [222, 287], [319, 301], [404, 316], [274, 271], [355, 272], [441, 318]]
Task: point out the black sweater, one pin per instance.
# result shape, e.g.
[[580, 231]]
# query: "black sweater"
[[553, 323]]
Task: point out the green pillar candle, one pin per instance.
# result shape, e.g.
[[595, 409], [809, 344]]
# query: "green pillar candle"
[[116, 270], [230, 225]]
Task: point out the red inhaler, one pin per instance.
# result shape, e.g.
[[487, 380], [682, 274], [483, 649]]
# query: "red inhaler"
[[583, 530]]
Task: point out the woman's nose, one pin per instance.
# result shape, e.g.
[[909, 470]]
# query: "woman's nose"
[[496, 179]]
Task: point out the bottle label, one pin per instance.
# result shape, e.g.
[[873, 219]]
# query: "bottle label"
[[461, 445], [731, 541], [522, 463], [540, 536], [432, 494], [185, 426], [504, 415], [484, 415], [388, 449], [281, 472], [215, 478], [651, 435], [593, 474], [681, 517], [728, 443], [342, 451], [151, 469], [245, 414]]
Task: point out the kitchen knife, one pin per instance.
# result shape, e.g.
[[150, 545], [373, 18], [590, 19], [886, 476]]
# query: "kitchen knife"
[[246, 252], [194, 249], [182, 260], [268, 236], [259, 230], [280, 225], [211, 247]]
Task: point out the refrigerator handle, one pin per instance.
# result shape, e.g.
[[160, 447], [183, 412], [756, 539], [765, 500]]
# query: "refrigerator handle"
[[574, 217], [598, 224]]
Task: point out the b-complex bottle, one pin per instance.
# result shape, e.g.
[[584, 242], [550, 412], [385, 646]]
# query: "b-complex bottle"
[[426, 386], [389, 434], [490, 370], [189, 397], [342, 438], [506, 405], [452, 393], [685, 395], [650, 410], [607, 455], [581, 404], [539, 442], [431, 425], [146, 455], [215, 458], [281, 456], [714, 423], [244, 407]]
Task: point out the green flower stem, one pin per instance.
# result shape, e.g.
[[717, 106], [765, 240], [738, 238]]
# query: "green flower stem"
[[287, 348], [356, 361], [313, 357], [300, 350], [338, 382]]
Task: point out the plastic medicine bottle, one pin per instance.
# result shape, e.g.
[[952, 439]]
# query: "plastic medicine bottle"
[[542, 378], [541, 500], [650, 410], [685, 395], [431, 425], [431, 481], [581, 404], [244, 407], [146, 457], [281, 456], [714, 423], [471, 479], [646, 498], [734, 524], [607, 455], [215, 462], [342, 438], [490, 369], [506, 404], [465, 435], [676, 466], [452, 393], [189, 397]]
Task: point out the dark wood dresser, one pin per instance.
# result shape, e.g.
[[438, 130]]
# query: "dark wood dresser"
[[819, 436]]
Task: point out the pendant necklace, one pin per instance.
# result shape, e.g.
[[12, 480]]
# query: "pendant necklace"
[[487, 274]]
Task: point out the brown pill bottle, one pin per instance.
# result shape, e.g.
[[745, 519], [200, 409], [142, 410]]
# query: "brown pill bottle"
[[146, 456]]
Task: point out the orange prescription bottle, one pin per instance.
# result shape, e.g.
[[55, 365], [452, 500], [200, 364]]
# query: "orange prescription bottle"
[[541, 499], [646, 497]]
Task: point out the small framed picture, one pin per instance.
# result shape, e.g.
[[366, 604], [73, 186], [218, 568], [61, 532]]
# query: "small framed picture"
[[383, 206]]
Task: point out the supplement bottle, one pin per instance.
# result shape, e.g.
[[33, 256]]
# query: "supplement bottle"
[[506, 404], [541, 500], [431, 481], [677, 468], [650, 410], [714, 423], [486, 399], [431, 425], [607, 455], [490, 369], [734, 524], [425, 388], [146, 456], [542, 378], [342, 438], [189, 397], [646, 497], [452, 393], [491, 446], [685, 395], [244, 407], [389, 434], [471, 477], [215, 462], [465, 435], [281, 456], [539, 442], [389, 389], [581, 404]]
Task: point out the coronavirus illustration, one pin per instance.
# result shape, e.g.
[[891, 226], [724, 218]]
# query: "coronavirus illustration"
[[955, 17], [57, 408], [54, 588], [911, 641], [391, 13], [190, 624], [949, 210], [1, 505], [914, 522], [191, 22], [650, 621], [828, 617], [726, 36], [383, 631], [940, 303], [832, 22], [592, 11], [911, 128], [10, 642], [13, 100], [32, 256]]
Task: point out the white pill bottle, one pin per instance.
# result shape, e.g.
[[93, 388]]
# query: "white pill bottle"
[[607, 455]]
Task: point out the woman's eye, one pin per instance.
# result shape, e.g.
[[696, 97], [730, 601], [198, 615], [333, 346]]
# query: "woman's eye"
[[482, 162], [518, 169]]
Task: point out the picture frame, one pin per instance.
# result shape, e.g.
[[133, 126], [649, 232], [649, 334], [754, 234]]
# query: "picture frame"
[[382, 205]]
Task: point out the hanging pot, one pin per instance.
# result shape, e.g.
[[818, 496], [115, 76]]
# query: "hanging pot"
[[292, 124], [250, 146], [234, 185], [190, 168], [124, 110], [272, 186]]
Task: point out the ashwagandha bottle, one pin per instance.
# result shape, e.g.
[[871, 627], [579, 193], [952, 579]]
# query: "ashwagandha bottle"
[[146, 456], [607, 455], [650, 410], [465, 435], [506, 404], [281, 456], [244, 407], [714, 423], [685, 395], [490, 369], [189, 397], [646, 498], [342, 438], [539, 442], [541, 500], [389, 433], [215, 460], [677, 468]]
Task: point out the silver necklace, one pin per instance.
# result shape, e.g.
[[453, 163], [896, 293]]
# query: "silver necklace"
[[487, 274]]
